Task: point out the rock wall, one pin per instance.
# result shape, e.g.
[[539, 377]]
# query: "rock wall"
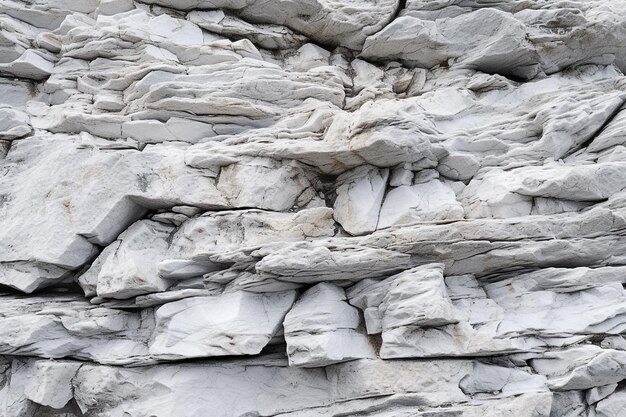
[[312, 208]]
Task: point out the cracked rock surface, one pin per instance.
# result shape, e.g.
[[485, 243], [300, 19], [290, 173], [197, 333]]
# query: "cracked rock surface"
[[312, 208]]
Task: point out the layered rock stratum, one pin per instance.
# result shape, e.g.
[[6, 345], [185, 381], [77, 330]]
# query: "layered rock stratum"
[[312, 208]]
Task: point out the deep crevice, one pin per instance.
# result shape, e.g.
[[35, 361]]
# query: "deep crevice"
[[594, 135]]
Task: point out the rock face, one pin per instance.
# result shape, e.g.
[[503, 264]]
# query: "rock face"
[[312, 208], [322, 329]]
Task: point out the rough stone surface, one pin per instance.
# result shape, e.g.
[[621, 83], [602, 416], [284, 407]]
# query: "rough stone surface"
[[314, 208], [322, 329]]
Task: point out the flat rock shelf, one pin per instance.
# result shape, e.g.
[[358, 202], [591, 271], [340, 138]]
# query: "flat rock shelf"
[[312, 208]]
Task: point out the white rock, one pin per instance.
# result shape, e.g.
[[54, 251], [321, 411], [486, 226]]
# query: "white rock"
[[459, 166], [266, 184], [611, 135], [16, 93], [489, 378], [493, 196], [322, 328], [554, 312], [614, 342], [612, 406], [221, 232], [109, 101], [88, 280], [132, 269], [487, 39], [567, 403], [307, 57], [69, 326], [308, 262], [268, 36], [181, 156], [581, 368], [542, 205], [30, 64], [51, 384], [580, 183], [366, 75], [596, 394], [112, 7], [238, 323], [401, 176], [273, 389], [16, 374], [326, 22], [359, 197], [454, 340], [13, 124], [414, 297], [461, 37], [89, 196], [427, 201]]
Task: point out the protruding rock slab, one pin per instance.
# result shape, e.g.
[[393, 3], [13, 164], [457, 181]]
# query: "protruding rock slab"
[[67, 326], [51, 383], [414, 297], [359, 197], [131, 269], [424, 202], [267, 387], [327, 22], [581, 367], [239, 323], [81, 195], [322, 329]]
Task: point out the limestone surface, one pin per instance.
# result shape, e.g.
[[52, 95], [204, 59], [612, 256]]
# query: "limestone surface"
[[307, 208]]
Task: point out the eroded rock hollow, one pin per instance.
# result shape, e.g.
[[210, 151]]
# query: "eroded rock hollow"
[[312, 208]]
